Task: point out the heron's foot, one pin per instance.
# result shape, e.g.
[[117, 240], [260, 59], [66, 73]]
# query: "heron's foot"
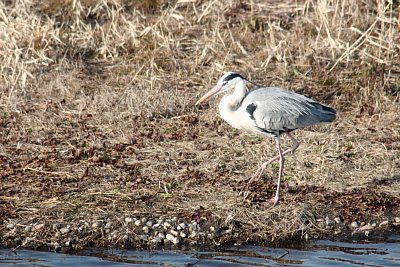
[[257, 174]]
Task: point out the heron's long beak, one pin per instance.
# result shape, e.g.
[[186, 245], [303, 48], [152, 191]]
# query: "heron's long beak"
[[210, 93]]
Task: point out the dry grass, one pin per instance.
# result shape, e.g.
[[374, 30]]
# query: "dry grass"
[[98, 120]]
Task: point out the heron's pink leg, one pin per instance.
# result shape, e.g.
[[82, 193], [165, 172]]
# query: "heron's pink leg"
[[281, 162], [260, 170]]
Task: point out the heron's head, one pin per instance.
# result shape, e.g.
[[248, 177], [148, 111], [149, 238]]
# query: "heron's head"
[[226, 82]]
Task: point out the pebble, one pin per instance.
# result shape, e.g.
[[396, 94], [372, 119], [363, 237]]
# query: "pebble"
[[69, 243], [173, 232], [64, 230], [182, 225], [337, 220], [28, 228], [397, 219], [172, 238], [108, 225], [183, 234], [125, 238], [128, 219], [157, 240], [166, 225], [161, 235], [354, 225], [95, 225], [384, 223], [149, 223], [146, 229], [10, 226], [329, 222], [193, 234], [367, 227], [138, 222], [57, 247]]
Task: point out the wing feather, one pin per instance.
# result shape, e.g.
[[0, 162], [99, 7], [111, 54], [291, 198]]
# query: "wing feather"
[[277, 110]]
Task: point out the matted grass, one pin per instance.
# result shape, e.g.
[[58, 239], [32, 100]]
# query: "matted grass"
[[98, 118]]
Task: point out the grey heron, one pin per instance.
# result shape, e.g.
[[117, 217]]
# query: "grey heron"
[[267, 111]]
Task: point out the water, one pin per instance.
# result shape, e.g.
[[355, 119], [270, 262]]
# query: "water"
[[320, 253]]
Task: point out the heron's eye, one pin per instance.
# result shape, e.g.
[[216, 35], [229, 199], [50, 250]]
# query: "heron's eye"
[[224, 83]]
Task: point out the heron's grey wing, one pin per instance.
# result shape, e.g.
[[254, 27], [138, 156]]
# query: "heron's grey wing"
[[275, 110]]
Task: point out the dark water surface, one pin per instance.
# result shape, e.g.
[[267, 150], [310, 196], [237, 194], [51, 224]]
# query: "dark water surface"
[[319, 253]]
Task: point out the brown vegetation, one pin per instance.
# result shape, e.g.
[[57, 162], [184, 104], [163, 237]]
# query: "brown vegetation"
[[97, 116]]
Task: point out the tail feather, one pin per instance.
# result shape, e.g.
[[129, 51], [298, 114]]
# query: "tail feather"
[[327, 114]]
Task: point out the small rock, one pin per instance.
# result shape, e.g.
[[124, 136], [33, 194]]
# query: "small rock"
[[397, 219], [149, 223], [138, 222], [173, 232], [182, 234], [354, 225], [143, 220], [146, 229], [337, 220], [125, 238], [28, 229], [384, 223], [57, 247], [329, 222], [182, 225], [108, 225], [367, 227], [172, 238], [64, 230], [128, 219], [10, 226], [70, 243], [212, 229], [157, 240], [95, 225], [366, 233], [161, 235], [155, 226], [167, 225], [193, 234]]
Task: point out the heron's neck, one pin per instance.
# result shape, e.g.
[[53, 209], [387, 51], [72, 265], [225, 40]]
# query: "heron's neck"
[[234, 100]]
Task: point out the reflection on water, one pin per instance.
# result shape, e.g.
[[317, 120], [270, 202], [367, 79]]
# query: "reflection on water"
[[320, 253]]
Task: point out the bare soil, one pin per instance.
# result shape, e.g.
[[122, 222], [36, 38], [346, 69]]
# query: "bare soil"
[[98, 122]]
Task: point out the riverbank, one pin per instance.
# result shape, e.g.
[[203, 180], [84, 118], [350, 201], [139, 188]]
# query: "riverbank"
[[101, 144]]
